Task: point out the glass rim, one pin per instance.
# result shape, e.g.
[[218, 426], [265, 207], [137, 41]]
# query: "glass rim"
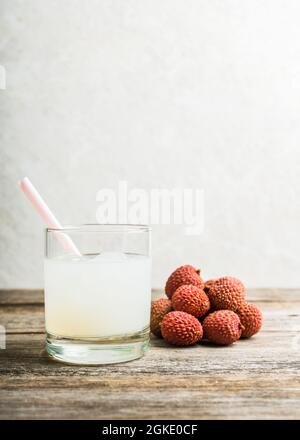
[[101, 227]]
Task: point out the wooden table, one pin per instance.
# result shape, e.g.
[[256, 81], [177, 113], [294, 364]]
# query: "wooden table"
[[256, 378]]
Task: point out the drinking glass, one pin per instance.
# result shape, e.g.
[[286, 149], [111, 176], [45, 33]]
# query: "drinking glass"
[[97, 301]]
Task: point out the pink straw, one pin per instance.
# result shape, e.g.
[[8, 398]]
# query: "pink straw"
[[50, 220]]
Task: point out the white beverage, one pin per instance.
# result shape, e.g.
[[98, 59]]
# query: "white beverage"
[[102, 296]]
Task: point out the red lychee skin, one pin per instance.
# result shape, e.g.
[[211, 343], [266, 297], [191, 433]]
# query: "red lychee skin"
[[159, 309], [227, 293], [183, 275], [180, 328], [208, 284], [192, 300], [222, 327], [251, 319]]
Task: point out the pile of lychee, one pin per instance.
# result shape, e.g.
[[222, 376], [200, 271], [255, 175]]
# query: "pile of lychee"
[[215, 310]]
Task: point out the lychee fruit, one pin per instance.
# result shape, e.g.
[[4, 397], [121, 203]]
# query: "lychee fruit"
[[191, 299], [251, 319], [181, 328], [222, 327], [159, 309], [183, 275], [227, 293], [208, 284]]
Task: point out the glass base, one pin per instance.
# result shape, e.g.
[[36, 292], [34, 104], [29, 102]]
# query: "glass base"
[[94, 351]]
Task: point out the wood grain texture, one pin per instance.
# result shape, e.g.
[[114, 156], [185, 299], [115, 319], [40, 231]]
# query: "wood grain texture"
[[256, 378]]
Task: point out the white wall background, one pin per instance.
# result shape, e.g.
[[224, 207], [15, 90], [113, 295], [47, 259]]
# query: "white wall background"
[[161, 93]]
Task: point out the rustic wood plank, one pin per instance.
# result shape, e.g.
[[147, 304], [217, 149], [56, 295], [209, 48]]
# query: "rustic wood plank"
[[21, 296], [255, 378], [159, 398], [23, 319], [274, 295], [27, 296], [25, 356], [29, 318]]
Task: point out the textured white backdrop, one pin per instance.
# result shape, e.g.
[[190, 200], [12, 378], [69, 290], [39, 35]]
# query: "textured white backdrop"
[[161, 93]]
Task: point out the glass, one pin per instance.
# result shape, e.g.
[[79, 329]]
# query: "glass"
[[97, 303]]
